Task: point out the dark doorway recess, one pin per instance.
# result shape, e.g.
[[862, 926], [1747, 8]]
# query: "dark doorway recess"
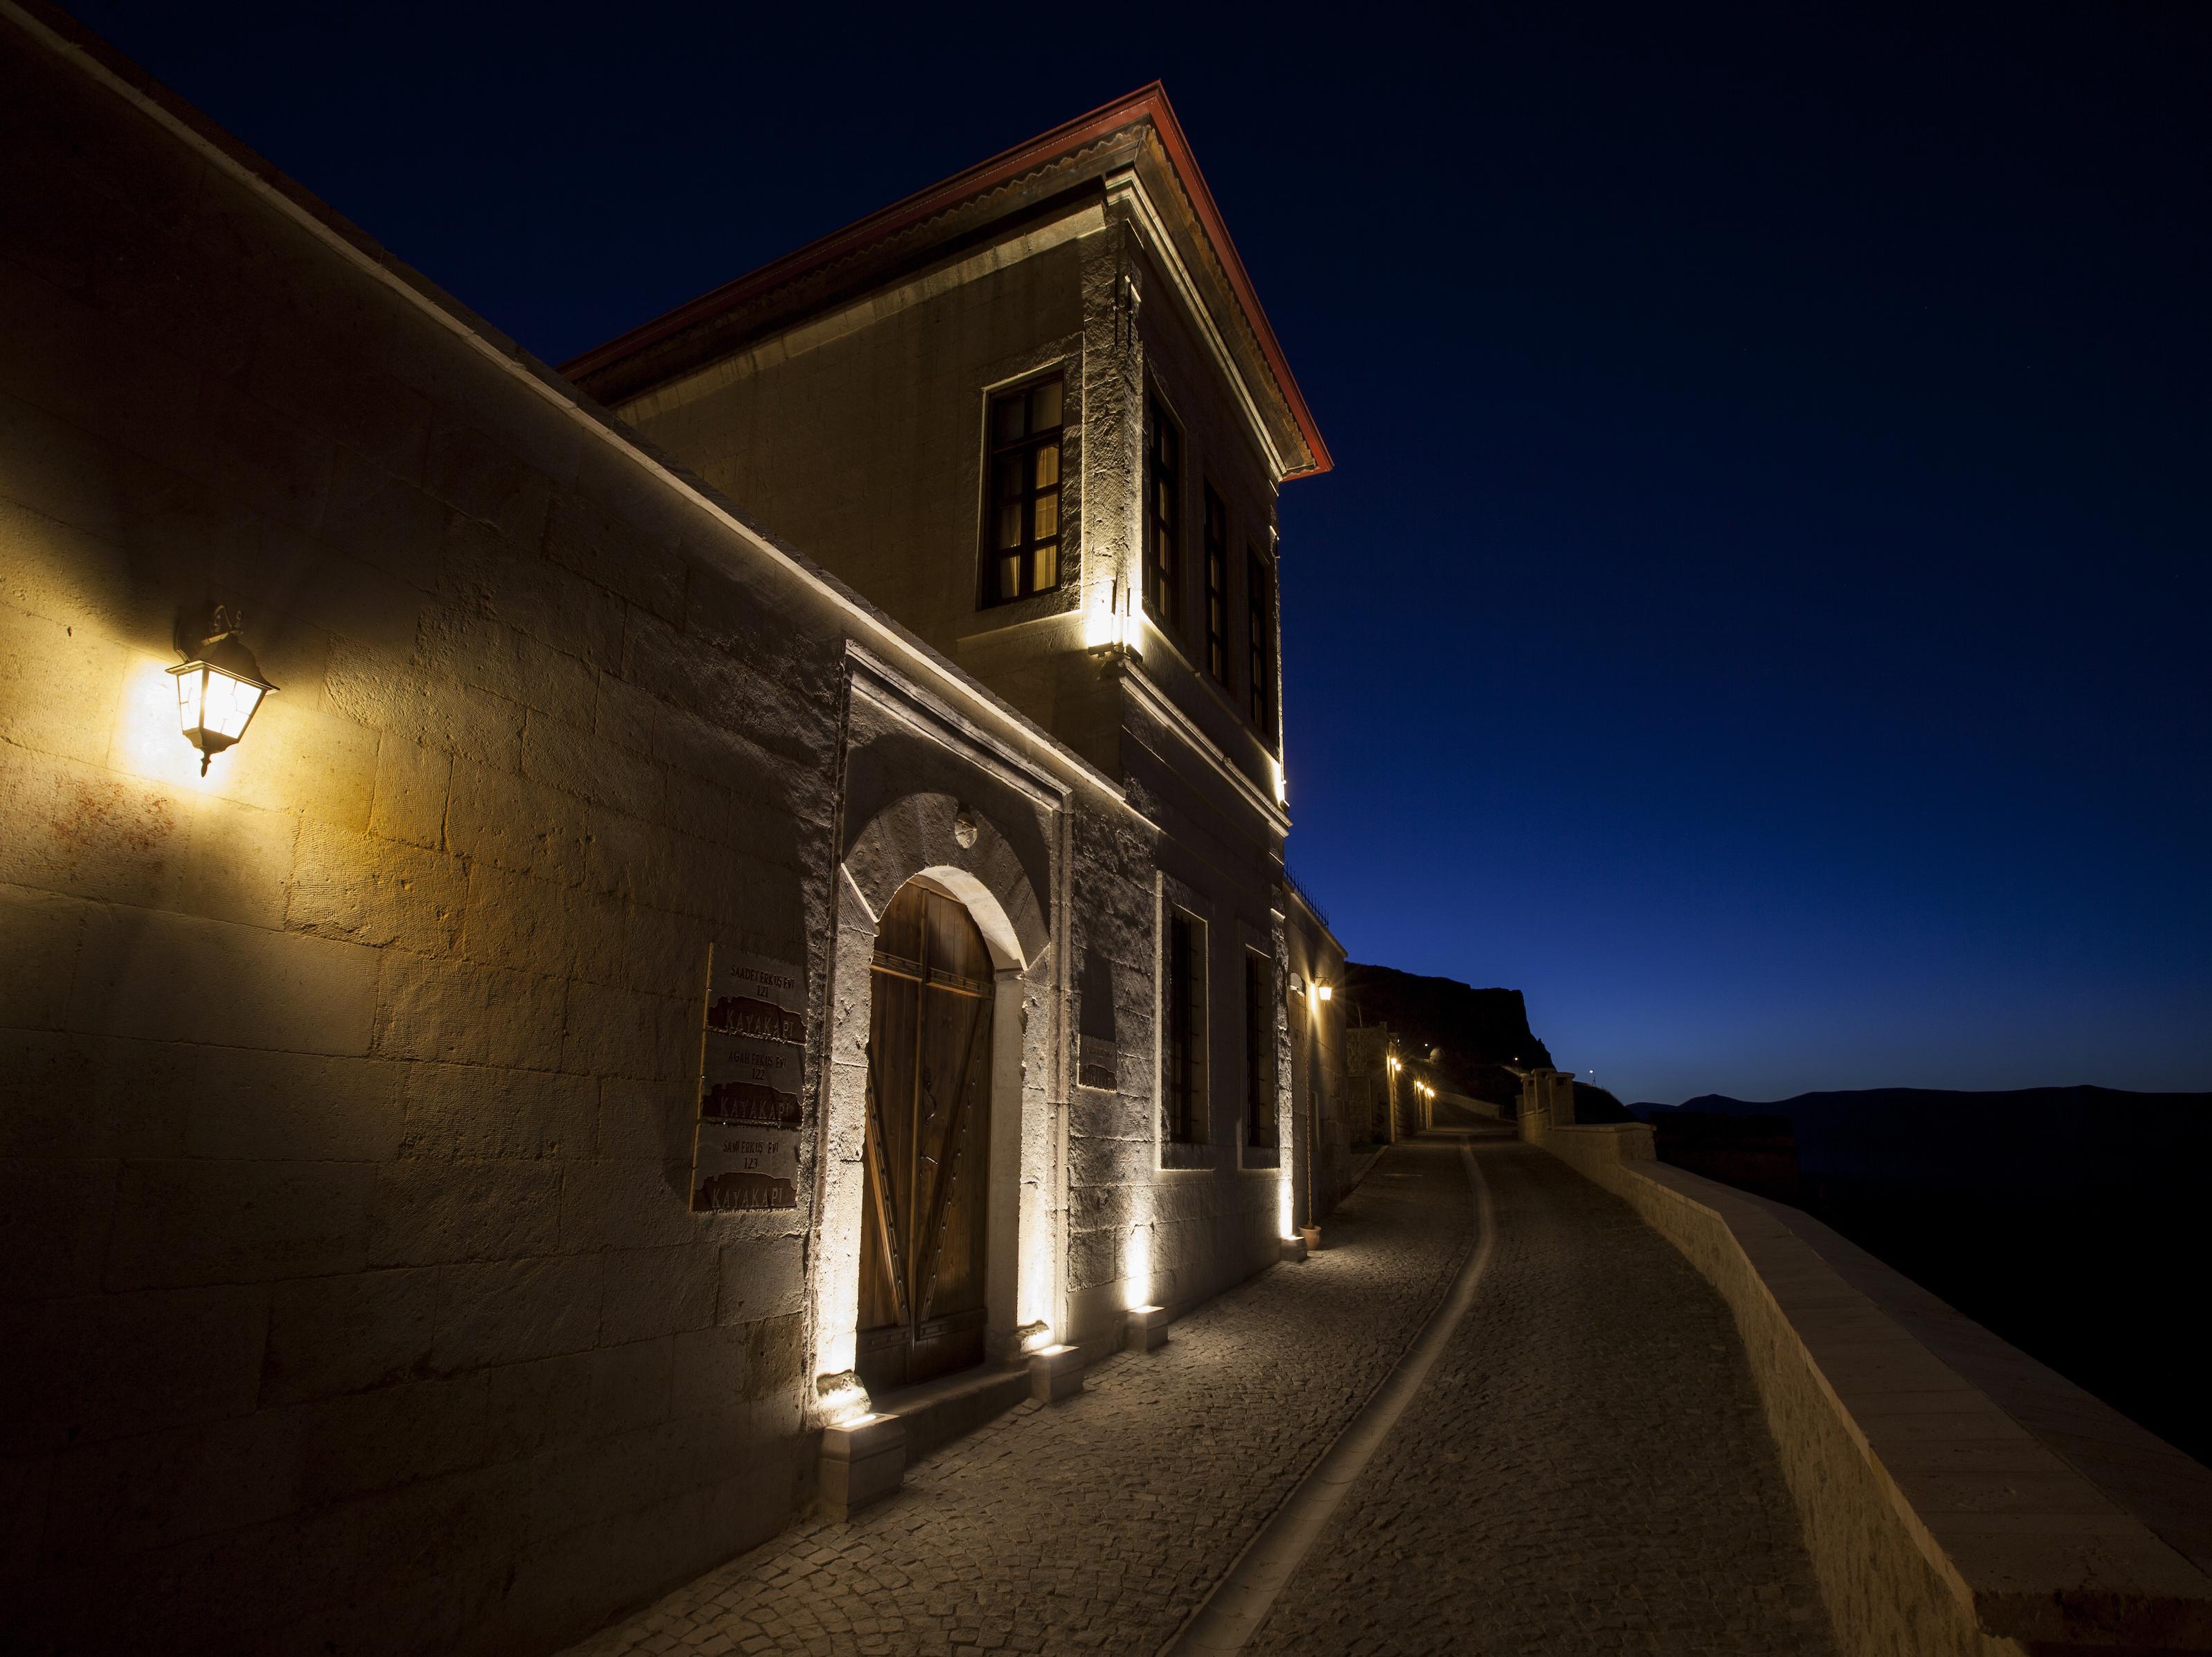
[[922, 1310]]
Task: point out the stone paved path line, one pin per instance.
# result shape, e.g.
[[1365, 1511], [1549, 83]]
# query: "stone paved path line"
[[1240, 1600]]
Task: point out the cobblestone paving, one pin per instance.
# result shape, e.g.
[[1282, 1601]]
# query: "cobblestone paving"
[[1585, 1470], [1096, 1524]]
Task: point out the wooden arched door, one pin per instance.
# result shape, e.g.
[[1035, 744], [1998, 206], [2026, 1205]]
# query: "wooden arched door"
[[922, 1310]]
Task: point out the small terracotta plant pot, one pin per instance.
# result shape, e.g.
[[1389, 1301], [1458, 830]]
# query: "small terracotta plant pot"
[[1312, 1235]]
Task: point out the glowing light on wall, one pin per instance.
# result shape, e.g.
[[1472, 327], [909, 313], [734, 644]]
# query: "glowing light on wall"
[[840, 1400], [1285, 1213], [1137, 1267], [1115, 621], [1039, 1265], [1282, 784]]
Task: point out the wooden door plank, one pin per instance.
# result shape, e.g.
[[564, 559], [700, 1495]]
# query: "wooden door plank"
[[948, 1171]]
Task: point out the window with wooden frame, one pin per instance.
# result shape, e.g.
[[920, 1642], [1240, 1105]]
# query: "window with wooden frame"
[[1261, 1104], [1259, 631], [1162, 517], [1217, 587], [1182, 1062], [1021, 518]]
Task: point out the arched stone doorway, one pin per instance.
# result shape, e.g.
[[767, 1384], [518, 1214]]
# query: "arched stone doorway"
[[931, 851], [925, 1237]]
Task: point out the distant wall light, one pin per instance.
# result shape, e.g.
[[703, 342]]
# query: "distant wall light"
[[1321, 991], [219, 687], [1137, 1268]]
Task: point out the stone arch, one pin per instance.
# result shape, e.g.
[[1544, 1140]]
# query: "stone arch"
[[955, 845], [963, 851]]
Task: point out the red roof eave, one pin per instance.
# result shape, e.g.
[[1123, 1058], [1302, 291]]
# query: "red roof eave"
[[1151, 102]]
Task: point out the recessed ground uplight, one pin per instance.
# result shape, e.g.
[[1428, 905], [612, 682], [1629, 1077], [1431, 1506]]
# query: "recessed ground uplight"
[[219, 687]]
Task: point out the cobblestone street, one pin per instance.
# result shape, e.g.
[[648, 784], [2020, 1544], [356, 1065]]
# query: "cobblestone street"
[[1095, 1526], [1584, 1471]]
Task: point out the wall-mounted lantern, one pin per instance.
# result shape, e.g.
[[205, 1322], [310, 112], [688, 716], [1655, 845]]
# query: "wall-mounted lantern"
[[1321, 991], [219, 687]]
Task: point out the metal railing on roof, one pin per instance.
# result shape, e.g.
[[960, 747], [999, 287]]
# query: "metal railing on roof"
[[1306, 897]]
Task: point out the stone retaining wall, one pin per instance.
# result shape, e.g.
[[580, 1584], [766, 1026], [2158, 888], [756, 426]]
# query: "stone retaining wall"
[[1938, 1522]]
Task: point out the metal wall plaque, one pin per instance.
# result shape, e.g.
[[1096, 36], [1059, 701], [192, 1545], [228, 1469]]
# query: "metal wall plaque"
[[1097, 1065], [757, 995], [750, 1082], [742, 1167], [751, 1096]]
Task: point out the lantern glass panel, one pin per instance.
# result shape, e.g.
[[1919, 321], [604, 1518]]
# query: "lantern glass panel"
[[227, 703], [191, 691]]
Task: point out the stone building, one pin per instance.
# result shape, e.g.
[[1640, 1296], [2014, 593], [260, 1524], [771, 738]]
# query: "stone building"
[[1318, 1090], [1370, 1079], [778, 882]]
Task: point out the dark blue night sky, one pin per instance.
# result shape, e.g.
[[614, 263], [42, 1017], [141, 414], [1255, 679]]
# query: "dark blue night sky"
[[1761, 607]]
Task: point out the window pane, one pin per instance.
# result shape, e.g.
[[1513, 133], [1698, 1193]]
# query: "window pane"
[[1007, 478], [1045, 401], [1048, 466], [1046, 560], [1010, 576], [1010, 525], [1006, 424], [1047, 515]]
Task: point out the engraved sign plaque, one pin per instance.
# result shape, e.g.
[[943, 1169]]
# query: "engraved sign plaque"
[[752, 1099], [1097, 1065], [750, 1082], [743, 1167], [757, 995]]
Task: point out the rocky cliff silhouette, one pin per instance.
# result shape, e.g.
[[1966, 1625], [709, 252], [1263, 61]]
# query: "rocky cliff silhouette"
[[1472, 1037]]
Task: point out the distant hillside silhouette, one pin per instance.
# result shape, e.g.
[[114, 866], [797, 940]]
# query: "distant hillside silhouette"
[[1478, 1033], [2067, 1220], [2052, 1139]]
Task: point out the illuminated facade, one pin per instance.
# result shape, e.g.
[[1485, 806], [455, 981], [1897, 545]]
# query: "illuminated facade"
[[737, 904], [1035, 413]]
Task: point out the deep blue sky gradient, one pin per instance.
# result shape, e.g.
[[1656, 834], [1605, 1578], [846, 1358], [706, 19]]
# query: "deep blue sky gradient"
[[1761, 607]]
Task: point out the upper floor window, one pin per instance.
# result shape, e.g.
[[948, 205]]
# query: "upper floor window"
[[1260, 630], [1162, 517], [1182, 1060], [1217, 587], [1259, 1101], [1021, 552]]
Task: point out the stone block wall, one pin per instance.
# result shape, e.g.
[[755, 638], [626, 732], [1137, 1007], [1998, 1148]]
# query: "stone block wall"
[[348, 1287], [1320, 1085], [1367, 1083]]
